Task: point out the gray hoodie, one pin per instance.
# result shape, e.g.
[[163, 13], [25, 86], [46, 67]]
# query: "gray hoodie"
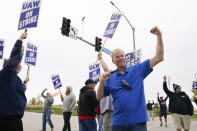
[[69, 102], [48, 101]]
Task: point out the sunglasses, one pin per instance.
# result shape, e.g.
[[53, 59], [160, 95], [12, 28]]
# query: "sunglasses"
[[125, 85]]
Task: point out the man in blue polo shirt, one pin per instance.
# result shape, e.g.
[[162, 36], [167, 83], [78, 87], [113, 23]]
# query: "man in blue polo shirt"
[[127, 88]]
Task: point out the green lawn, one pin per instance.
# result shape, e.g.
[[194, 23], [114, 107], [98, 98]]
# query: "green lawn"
[[57, 112]]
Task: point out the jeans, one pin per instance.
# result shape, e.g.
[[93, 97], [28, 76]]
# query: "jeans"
[[87, 125], [100, 121], [135, 127], [150, 113], [46, 118], [67, 116]]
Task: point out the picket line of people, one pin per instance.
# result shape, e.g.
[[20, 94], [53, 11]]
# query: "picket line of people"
[[120, 95]]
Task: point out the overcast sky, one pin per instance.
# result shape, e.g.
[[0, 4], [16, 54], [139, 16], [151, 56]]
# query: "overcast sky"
[[70, 58]]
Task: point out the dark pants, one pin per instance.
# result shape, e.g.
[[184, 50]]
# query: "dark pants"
[[11, 123], [67, 116], [87, 125], [135, 127]]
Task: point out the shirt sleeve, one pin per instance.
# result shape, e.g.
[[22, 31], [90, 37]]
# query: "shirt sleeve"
[[106, 89], [15, 56], [144, 68]]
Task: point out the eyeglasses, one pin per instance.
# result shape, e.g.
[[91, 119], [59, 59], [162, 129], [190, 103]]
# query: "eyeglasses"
[[125, 85]]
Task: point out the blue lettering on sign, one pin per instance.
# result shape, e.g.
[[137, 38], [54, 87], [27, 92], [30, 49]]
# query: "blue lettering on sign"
[[1, 43], [116, 16], [92, 67], [32, 47], [29, 5]]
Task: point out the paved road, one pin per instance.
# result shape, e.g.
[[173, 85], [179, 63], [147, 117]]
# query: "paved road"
[[33, 122]]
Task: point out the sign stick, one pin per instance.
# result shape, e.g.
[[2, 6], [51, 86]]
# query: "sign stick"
[[28, 70], [60, 91]]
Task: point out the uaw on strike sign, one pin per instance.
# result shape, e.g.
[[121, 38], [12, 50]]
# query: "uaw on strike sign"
[[94, 72], [112, 25], [29, 14], [31, 54], [194, 85], [1, 48], [56, 81]]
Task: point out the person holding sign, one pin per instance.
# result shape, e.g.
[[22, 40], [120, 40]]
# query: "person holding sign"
[[12, 90], [106, 102], [126, 84], [180, 106], [47, 110], [69, 100]]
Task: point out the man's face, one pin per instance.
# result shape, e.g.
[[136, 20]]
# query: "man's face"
[[178, 90], [18, 68], [67, 91], [118, 58], [91, 85], [161, 98], [48, 94]]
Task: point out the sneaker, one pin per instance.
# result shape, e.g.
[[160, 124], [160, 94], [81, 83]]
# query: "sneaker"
[[52, 129], [166, 125], [161, 124]]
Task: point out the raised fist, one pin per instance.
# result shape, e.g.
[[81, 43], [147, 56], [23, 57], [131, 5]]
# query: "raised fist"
[[155, 30]]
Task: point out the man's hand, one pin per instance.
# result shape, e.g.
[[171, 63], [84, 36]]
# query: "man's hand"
[[23, 36], [155, 30], [164, 78], [26, 79], [158, 94], [45, 89], [105, 76]]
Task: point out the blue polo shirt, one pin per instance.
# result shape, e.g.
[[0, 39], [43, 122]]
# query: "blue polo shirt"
[[129, 105]]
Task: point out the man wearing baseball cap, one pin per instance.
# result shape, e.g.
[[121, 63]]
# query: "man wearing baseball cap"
[[86, 107], [180, 106]]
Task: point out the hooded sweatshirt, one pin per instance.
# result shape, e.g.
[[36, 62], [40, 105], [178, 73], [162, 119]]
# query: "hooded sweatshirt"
[[179, 103], [48, 101], [87, 102], [69, 101]]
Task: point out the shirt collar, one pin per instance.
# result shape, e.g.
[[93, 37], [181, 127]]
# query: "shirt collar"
[[126, 71]]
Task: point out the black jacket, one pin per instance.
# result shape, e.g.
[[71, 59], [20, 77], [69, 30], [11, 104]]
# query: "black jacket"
[[87, 102], [149, 106], [195, 100], [179, 103]]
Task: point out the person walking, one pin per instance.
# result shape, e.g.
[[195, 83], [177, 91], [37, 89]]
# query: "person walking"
[[180, 106], [47, 110], [69, 100], [150, 110], [163, 109]]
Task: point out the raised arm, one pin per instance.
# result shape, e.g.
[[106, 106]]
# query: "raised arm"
[[42, 94], [158, 97], [159, 56], [100, 91], [61, 97], [16, 54], [168, 92], [103, 64]]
